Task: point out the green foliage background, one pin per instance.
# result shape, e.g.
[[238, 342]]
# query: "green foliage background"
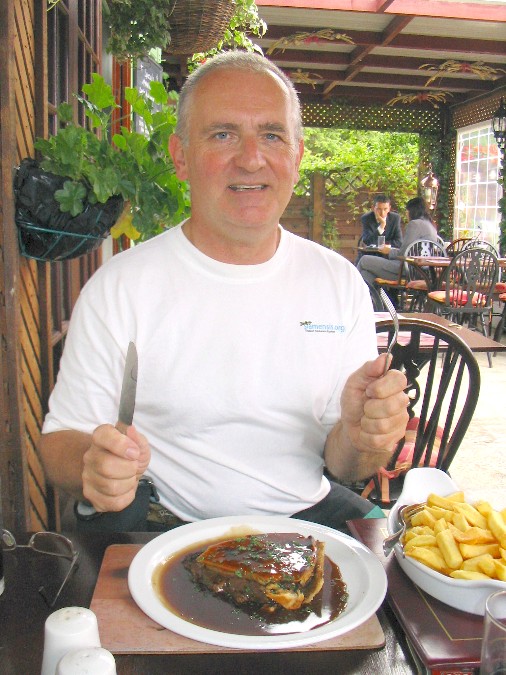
[[362, 160]]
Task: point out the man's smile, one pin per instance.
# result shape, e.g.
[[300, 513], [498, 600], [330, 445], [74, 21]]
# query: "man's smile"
[[243, 188]]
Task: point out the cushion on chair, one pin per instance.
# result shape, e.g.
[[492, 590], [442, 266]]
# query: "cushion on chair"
[[500, 287], [390, 282], [404, 461], [457, 297], [417, 285], [502, 297]]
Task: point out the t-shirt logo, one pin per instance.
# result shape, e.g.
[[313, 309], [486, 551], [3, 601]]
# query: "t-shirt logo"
[[311, 327]]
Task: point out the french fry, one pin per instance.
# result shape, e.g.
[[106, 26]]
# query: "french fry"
[[440, 525], [473, 535], [438, 513], [483, 507], [479, 563], [464, 574], [423, 518], [500, 570], [472, 515], [420, 540], [459, 520], [430, 557], [472, 550], [442, 502], [502, 551], [498, 526], [487, 566], [448, 547]]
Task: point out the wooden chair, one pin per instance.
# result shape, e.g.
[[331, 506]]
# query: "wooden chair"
[[457, 245], [417, 283], [443, 386], [411, 281], [469, 284]]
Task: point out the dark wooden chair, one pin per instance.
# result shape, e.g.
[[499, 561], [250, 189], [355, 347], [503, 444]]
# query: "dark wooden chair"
[[469, 284], [443, 386]]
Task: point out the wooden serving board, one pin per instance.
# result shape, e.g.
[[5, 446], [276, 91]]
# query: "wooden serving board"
[[125, 629]]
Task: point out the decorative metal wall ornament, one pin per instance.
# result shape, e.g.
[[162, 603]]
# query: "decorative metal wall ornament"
[[434, 98], [300, 77], [299, 39], [479, 68]]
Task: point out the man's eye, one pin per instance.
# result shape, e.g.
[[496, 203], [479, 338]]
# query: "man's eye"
[[221, 135], [272, 137]]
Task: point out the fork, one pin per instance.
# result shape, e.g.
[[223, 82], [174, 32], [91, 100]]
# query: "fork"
[[391, 310]]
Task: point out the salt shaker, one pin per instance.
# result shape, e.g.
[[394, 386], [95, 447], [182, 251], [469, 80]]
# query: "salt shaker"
[[89, 661], [67, 629]]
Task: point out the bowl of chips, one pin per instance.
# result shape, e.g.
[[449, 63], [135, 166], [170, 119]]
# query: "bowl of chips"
[[453, 550]]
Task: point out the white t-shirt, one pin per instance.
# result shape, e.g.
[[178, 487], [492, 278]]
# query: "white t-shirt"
[[240, 368]]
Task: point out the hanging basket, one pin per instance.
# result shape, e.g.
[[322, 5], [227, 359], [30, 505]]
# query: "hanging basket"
[[46, 233], [198, 25]]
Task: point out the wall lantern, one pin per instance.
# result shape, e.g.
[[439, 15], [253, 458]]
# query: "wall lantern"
[[430, 187], [499, 128]]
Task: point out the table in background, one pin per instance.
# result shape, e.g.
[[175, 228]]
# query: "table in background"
[[476, 341], [23, 614], [433, 268]]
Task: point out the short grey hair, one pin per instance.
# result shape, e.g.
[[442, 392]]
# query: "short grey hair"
[[238, 60]]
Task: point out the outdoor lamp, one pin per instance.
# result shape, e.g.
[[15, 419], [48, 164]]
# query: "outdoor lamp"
[[430, 187], [499, 128]]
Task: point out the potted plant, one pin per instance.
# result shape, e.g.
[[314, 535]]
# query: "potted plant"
[[130, 172], [179, 27]]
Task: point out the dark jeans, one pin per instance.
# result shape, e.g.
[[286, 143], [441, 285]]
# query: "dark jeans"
[[146, 514]]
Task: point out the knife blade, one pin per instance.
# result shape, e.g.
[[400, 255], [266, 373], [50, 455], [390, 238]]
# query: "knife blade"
[[128, 390]]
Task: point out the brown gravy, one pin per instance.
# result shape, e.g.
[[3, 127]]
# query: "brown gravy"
[[179, 593]]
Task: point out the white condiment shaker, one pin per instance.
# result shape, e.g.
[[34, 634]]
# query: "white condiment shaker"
[[67, 629], [88, 661]]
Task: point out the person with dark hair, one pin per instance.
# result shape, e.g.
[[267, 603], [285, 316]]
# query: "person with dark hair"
[[381, 221], [420, 226], [259, 372]]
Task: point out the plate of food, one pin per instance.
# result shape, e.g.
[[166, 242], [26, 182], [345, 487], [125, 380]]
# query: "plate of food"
[[257, 582], [459, 556]]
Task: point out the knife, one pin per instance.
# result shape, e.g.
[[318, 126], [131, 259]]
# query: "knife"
[[83, 509], [128, 390]]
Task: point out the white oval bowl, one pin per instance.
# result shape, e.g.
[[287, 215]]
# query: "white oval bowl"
[[466, 595]]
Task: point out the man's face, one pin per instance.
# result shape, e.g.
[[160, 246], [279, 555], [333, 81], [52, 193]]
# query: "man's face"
[[381, 210], [242, 157]]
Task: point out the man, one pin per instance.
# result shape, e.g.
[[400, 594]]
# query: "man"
[[381, 221], [257, 351]]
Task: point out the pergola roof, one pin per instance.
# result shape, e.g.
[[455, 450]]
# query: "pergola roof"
[[377, 50]]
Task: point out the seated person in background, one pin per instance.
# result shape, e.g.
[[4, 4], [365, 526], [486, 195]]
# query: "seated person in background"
[[258, 361], [420, 226], [381, 221]]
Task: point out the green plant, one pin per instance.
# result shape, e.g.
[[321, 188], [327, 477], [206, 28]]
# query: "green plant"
[[244, 22], [137, 26], [136, 166]]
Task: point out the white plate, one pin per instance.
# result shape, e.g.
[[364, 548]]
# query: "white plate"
[[361, 571], [464, 594]]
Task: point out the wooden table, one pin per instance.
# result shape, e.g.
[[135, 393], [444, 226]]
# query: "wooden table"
[[23, 613], [436, 267], [476, 341], [374, 250]]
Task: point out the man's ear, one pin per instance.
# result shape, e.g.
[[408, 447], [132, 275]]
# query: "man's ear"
[[176, 150]]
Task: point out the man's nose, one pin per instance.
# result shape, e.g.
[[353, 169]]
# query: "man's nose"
[[250, 155]]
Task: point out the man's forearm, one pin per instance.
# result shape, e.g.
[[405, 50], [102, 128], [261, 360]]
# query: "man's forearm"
[[345, 461], [62, 455]]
